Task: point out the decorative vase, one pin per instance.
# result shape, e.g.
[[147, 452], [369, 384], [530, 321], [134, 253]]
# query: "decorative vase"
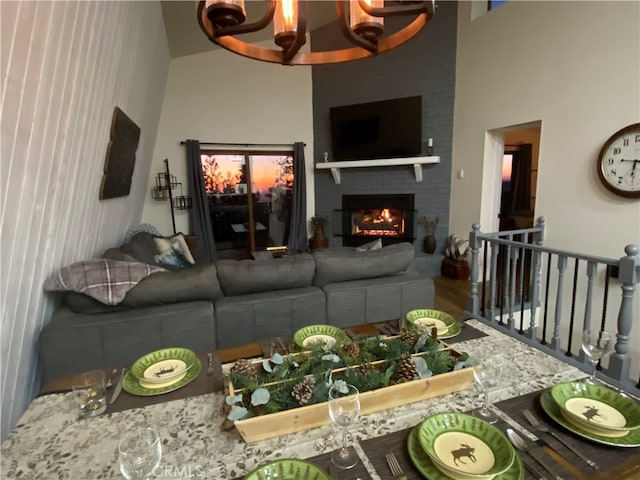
[[319, 240], [429, 244]]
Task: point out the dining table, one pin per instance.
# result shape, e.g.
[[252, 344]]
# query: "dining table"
[[51, 442]]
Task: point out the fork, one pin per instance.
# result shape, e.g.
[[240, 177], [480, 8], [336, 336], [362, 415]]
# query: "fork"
[[537, 424], [394, 466]]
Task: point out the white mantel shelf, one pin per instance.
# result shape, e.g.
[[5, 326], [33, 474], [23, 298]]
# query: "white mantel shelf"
[[417, 163]]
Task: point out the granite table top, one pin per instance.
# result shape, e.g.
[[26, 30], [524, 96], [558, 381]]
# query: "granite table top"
[[50, 442]]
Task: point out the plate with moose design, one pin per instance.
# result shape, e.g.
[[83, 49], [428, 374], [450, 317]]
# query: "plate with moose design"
[[554, 411], [596, 408], [427, 468], [465, 447]]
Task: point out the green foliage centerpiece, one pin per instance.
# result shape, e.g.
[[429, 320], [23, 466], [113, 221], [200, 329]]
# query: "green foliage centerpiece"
[[366, 362]]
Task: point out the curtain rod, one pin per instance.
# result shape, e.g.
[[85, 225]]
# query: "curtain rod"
[[245, 144]]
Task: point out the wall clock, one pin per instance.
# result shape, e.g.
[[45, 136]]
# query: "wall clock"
[[619, 162]]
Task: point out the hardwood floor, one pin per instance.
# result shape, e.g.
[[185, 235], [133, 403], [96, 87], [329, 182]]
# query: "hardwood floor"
[[451, 296]]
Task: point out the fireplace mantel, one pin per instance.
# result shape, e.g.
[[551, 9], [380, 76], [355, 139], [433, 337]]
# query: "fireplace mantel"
[[417, 163]]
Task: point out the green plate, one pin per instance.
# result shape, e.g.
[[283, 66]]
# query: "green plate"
[[163, 365], [132, 385], [553, 410], [319, 333], [426, 467], [596, 408], [288, 469], [465, 445], [422, 318]]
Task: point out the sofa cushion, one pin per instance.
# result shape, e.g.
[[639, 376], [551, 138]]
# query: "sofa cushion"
[[241, 277], [107, 281], [192, 284], [142, 247], [148, 248], [342, 265]]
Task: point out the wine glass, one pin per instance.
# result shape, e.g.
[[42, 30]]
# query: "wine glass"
[[488, 375], [139, 453], [344, 408], [596, 344]]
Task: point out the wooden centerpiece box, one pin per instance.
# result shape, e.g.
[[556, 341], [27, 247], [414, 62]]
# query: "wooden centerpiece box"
[[302, 418]]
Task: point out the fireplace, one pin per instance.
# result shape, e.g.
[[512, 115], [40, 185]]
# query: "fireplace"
[[366, 218]]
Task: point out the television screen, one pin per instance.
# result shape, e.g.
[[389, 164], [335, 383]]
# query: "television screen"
[[384, 129]]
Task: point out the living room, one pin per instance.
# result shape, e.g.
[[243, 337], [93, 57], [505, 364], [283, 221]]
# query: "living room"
[[553, 62]]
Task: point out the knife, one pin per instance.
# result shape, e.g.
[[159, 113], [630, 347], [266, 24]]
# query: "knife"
[[118, 388]]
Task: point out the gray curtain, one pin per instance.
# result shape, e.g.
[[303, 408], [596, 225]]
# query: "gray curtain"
[[199, 217], [298, 229], [521, 179]]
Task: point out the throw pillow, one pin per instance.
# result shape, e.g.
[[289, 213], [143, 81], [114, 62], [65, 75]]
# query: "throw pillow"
[[108, 281], [165, 244], [375, 245], [174, 257]]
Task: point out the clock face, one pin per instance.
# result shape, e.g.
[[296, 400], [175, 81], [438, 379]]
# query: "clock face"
[[619, 162]]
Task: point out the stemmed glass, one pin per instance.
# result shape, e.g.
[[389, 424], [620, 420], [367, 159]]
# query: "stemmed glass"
[[344, 408], [488, 375], [596, 344], [139, 453]]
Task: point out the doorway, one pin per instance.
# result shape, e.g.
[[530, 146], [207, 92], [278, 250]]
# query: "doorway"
[[519, 177], [249, 195]]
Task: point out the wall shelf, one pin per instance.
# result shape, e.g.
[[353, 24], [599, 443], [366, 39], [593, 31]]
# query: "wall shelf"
[[417, 163]]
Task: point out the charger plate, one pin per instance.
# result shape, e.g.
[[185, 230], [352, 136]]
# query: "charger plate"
[[132, 385], [288, 469], [552, 409], [426, 467]]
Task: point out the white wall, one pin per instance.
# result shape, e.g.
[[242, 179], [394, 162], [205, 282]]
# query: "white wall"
[[65, 66], [575, 67], [556, 62], [221, 97]]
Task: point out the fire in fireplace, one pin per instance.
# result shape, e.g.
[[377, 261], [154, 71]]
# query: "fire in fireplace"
[[369, 217]]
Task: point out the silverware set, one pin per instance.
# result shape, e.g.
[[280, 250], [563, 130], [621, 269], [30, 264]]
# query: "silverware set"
[[521, 445], [538, 425]]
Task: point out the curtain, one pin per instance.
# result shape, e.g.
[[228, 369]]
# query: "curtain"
[[199, 217], [297, 241], [521, 179]]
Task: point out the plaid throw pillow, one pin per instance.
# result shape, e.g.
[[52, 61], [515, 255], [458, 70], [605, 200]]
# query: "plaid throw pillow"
[[108, 281]]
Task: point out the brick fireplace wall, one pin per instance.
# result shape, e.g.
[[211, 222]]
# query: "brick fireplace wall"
[[424, 66]]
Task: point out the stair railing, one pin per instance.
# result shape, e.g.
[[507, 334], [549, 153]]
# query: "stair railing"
[[546, 297]]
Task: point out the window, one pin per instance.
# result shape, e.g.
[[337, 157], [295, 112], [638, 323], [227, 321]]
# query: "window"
[[250, 194]]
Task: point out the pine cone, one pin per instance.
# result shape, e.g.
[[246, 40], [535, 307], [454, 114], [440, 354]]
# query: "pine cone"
[[409, 339], [302, 391], [351, 349], [366, 369], [405, 369], [244, 367]]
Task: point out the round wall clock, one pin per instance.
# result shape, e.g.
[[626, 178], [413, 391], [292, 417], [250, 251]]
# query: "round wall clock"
[[619, 162]]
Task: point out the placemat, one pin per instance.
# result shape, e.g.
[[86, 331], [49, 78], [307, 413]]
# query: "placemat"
[[359, 472], [377, 448], [606, 456], [610, 459], [204, 383], [467, 332]]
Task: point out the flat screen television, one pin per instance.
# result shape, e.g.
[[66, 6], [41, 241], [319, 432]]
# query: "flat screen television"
[[375, 130]]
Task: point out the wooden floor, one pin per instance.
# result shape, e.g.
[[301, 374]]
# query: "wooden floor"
[[452, 296]]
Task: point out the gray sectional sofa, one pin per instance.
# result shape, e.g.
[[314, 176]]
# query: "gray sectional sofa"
[[230, 303]]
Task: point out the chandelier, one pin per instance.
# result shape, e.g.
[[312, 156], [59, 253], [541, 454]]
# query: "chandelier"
[[361, 22]]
